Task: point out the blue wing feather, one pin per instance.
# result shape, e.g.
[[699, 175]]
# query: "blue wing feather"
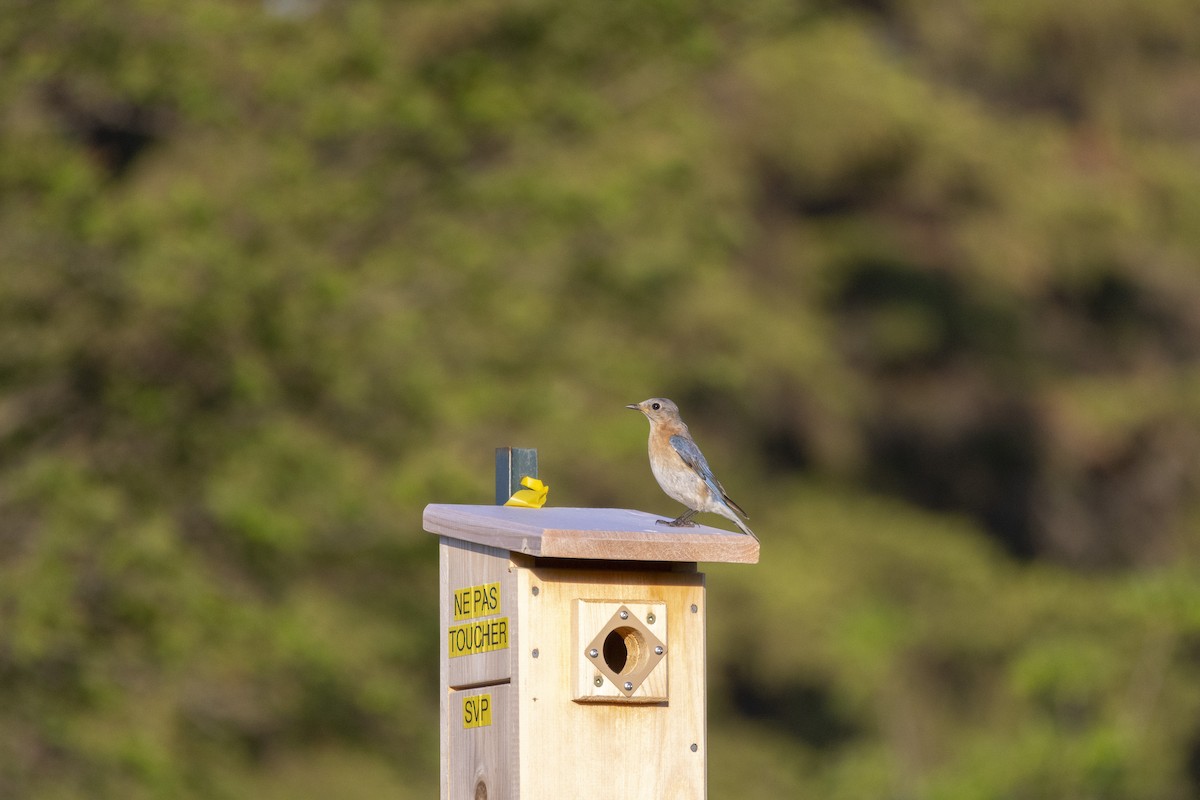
[[692, 456]]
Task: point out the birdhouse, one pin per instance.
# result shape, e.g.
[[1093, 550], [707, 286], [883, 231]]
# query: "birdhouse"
[[573, 652]]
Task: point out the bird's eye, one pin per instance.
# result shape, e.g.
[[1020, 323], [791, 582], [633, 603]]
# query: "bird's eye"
[[656, 406]]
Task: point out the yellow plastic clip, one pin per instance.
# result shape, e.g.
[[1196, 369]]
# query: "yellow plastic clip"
[[532, 496]]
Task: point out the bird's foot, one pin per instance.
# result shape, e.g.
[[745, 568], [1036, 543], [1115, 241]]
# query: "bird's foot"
[[676, 523]]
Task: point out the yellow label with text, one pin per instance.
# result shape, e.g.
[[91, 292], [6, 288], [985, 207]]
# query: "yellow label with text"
[[477, 601], [477, 711], [482, 636]]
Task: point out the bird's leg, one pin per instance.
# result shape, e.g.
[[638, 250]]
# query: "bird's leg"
[[684, 520]]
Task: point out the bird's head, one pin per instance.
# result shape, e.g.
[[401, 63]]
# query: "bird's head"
[[657, 409]]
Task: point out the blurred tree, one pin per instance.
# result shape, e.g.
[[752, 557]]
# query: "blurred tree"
[[275, 275]]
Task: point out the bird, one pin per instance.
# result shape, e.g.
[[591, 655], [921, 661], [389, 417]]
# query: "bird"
[[681, 469]]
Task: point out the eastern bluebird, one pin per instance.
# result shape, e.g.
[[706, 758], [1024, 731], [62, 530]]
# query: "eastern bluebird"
[[680, 467]]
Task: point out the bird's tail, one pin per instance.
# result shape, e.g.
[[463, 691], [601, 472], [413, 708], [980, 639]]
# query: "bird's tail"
[[729, 502], [735, 507], [745, 529]]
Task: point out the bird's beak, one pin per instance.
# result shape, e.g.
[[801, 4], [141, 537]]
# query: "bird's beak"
[[634, 406]]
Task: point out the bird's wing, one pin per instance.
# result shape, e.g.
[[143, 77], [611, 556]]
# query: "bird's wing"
[[692, 456]]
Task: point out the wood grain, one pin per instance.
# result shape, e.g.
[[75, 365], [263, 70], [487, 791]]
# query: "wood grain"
[[465, 565], [614, 534], [642, 751], [482, 760], [592, 620]]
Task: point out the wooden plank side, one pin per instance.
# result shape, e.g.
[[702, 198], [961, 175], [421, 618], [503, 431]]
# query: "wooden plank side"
[[444, 667], [596, 749], [476, 643], [591, 533], [482, 760]]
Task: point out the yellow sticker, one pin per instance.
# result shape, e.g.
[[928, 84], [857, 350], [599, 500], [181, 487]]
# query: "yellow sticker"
[[483, 636], [477, 711], [477, 601]]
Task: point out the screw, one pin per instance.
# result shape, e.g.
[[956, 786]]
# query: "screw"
[[598, 681], [593, 653], [535, 591], [650, 618], [694, 608], [535, 652], [628, 686], [695, 747], [624, 614], [658, 650]]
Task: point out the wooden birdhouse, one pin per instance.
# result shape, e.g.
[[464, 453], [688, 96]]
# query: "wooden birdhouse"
[[573, 652]]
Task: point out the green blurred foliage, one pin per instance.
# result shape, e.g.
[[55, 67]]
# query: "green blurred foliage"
[[922, 276]]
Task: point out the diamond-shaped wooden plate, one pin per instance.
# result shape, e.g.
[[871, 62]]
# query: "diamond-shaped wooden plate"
[[626, 655]]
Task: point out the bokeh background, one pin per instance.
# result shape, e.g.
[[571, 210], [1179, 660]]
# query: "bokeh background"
[[922, 274]]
